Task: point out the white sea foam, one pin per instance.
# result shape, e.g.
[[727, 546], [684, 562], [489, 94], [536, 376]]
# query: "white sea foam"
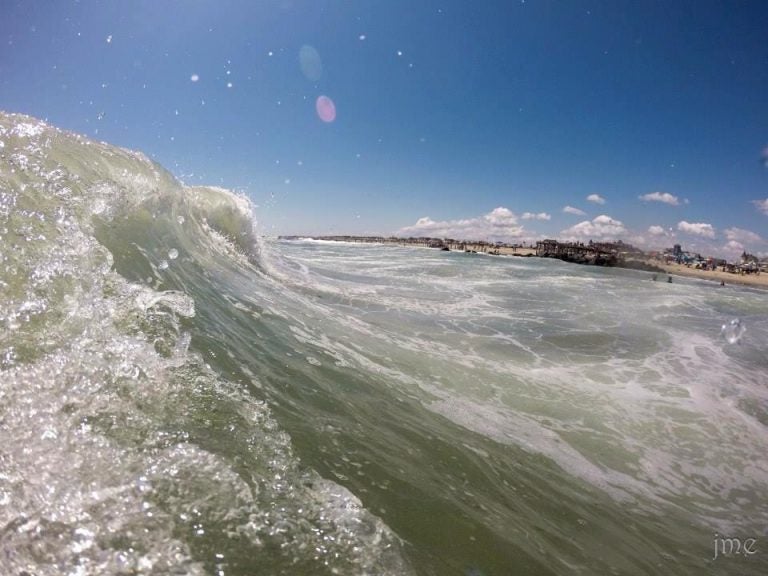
[[630, 378]]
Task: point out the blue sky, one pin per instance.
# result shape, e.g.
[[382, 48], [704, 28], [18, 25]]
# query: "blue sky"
[[457, 118]]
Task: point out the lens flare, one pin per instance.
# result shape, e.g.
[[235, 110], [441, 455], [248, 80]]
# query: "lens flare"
[[310, 62], [326, 109]]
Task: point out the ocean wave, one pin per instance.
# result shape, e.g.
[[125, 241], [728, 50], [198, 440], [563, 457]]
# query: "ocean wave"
[[125, 451], [181, 395]]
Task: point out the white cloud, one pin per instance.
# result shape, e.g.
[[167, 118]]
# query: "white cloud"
[[733, 249], [737, 241], [664, 197], [572, 210], [740, 235], [600, 228], [501, 216], [655, 237], [539, 216], [762, 205], [596, 198], [696, 228], [498, 225]]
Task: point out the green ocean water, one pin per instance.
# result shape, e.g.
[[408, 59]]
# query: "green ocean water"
[[179, 395]]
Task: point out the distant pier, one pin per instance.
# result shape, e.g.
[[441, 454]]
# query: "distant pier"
[[618, 254], [596, 254]]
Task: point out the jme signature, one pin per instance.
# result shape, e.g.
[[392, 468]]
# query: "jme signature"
[[725, 546]]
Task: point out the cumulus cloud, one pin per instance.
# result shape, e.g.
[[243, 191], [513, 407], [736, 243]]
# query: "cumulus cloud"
[[500, 224], [740, 240], [733, 249], [664, 197], [653, 238], [600, 228], [696, 228], [740, 235], [737, 241], [572, 210], [539, 216], [762, 205], [596, 198]]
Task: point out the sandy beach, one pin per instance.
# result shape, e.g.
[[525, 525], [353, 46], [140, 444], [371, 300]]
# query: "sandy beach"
[[753, 280]]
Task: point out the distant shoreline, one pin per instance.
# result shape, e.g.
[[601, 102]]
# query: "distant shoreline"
[[758, 281], [452, 245]]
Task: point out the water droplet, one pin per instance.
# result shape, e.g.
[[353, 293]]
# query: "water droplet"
[[173, 254], [194, 78], [109, 39], [733, 331], [180, 219], [163, 265]]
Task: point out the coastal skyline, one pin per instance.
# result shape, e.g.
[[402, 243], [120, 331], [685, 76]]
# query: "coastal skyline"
[[504, 121]]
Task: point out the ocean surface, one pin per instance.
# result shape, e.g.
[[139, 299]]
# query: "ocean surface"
[[179, 395]]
